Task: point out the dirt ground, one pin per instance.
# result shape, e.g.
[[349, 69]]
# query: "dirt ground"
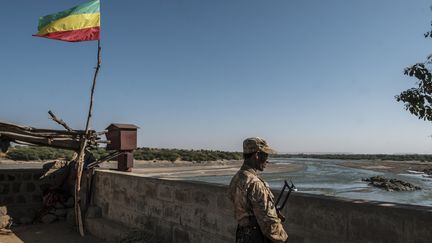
[[47, 233]]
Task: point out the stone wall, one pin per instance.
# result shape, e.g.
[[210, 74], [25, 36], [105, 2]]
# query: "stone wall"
[[183, 211], [21, 189], [174, 211]]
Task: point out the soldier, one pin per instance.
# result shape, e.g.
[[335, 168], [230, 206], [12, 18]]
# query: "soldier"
[[254, 206]]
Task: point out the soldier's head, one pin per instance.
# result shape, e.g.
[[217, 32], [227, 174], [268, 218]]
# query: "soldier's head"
[[256, 152]]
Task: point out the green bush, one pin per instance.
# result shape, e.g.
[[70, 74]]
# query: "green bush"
[[28, 153], [183, 154]]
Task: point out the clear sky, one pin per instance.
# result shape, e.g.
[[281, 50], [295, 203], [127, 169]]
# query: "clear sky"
[[308, 76]]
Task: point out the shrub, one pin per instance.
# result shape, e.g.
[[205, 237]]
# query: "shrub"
[[28, 153], [45, 153]]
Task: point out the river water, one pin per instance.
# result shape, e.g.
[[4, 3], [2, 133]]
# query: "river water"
[[328, 177]]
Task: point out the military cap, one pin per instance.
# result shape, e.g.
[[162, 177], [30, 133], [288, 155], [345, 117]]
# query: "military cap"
[[252, 145]]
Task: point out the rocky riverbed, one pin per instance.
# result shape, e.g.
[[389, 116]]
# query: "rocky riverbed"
[[391, 184], [428, 171]]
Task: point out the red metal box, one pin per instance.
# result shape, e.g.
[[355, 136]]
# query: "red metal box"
[[122, 137]]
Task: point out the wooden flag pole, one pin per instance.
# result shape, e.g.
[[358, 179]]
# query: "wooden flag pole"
[[81, 155], [93, 87]]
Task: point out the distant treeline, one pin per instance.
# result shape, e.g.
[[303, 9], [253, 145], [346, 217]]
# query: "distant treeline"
[[396, 157], [185, 155], [34, 153]]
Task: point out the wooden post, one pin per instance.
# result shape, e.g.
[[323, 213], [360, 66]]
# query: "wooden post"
[[84, 140]]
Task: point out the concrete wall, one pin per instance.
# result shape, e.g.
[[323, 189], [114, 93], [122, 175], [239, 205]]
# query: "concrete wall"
[[21, 189], [180, 211]]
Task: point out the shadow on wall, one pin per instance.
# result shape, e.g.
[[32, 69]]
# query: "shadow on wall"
[[24, 191]]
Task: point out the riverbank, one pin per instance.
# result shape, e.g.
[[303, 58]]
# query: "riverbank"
[[166, 169], [16, 164]]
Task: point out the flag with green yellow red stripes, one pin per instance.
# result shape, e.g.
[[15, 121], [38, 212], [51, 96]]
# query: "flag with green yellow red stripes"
[[80, 23]]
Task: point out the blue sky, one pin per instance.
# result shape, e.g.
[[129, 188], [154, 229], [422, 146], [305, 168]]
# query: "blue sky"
[[308, 76]]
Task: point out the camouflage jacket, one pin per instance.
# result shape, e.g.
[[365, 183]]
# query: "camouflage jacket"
[[251, 196]]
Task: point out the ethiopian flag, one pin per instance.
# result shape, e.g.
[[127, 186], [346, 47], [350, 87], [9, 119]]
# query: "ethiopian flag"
[[80, 23]]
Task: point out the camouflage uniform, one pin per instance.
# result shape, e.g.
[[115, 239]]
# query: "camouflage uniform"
[[254, 205]]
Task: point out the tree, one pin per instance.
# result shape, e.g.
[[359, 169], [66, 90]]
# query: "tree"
[[418, 100]]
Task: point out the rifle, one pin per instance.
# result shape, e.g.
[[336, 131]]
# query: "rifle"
[[279, 208]]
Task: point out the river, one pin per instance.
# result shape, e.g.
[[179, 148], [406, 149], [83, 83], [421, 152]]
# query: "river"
[[329, 177]]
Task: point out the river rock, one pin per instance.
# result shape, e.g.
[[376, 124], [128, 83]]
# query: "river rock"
[[428, 171], [391, 184]]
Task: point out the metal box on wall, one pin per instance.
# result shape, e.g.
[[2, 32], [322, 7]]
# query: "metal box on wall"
[[122, 137]]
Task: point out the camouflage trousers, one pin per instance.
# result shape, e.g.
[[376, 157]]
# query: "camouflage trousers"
[[250, 234]]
